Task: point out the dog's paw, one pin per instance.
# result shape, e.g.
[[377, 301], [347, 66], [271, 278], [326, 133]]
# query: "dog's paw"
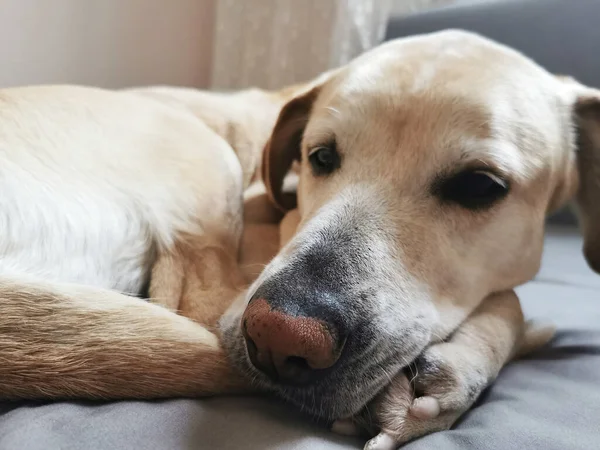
[[444, 386], [452, 375]]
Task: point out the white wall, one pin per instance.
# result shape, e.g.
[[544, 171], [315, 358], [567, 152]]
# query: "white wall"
[[110, 43]]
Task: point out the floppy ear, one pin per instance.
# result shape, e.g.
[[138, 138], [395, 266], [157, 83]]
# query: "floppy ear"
[[283, 147], [587, 121]]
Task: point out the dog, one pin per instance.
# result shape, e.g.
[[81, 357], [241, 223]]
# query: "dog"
[[428, 166], [425, 169]]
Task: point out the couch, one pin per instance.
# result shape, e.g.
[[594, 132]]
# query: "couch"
[[550, 400]]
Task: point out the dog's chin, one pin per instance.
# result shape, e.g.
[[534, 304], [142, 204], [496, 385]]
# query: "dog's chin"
[[343, 392]]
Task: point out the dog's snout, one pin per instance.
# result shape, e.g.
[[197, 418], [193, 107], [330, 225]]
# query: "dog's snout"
[[289, 349]]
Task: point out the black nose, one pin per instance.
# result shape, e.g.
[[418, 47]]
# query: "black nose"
[[289, 349]]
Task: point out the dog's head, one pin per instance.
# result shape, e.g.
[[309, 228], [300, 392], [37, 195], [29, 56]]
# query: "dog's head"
[[427, 167]]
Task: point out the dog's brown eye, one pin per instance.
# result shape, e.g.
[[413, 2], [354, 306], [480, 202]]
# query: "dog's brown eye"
[[474, 189], [324, 160]]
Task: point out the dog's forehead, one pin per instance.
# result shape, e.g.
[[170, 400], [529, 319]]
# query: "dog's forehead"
[[450, 93], [437, 60], [451, 64]]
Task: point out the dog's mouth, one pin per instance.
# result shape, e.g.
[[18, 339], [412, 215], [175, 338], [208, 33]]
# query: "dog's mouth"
[[365, 365]]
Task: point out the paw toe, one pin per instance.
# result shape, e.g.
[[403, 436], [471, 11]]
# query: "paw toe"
[[382, 441], [425, 408]]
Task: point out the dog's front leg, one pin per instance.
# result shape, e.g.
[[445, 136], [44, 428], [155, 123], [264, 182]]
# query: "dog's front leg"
[[450, 376]]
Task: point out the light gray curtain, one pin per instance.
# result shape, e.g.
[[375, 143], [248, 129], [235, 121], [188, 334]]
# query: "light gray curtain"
[[273, 43]]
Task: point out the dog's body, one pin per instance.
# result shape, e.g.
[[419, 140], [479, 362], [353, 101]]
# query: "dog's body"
[[104, 182], [105, 191], [389, 255]]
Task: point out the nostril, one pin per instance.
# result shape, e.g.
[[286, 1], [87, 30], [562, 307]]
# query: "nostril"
[[296, 369], [252, 349], [261, 359], [297, 361]]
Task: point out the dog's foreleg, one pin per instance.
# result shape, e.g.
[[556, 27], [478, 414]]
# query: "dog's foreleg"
[[71, 341], [450, 376]]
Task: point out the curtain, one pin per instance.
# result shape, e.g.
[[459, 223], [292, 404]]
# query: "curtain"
[[273, 43]]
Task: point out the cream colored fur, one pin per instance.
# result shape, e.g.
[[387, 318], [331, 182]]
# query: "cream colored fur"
[[105, 192]]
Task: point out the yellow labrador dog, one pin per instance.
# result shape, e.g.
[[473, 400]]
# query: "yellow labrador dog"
[[425, 169]]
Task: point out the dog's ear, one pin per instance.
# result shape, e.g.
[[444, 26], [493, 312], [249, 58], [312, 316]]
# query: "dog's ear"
[[587, 123], [283, 147]]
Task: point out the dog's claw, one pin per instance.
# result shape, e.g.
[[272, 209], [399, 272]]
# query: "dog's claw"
[[382, 441]]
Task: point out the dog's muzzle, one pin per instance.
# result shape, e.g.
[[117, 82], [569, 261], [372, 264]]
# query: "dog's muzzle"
[[294, 325], [324, 328]]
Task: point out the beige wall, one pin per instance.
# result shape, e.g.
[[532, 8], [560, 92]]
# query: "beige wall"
[[111, 43]]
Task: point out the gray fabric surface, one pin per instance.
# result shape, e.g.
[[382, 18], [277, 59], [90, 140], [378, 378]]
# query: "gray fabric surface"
[[549, 401]]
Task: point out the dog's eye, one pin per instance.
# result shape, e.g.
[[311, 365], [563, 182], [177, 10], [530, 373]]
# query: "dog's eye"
[[324, 160], [474, 189]]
